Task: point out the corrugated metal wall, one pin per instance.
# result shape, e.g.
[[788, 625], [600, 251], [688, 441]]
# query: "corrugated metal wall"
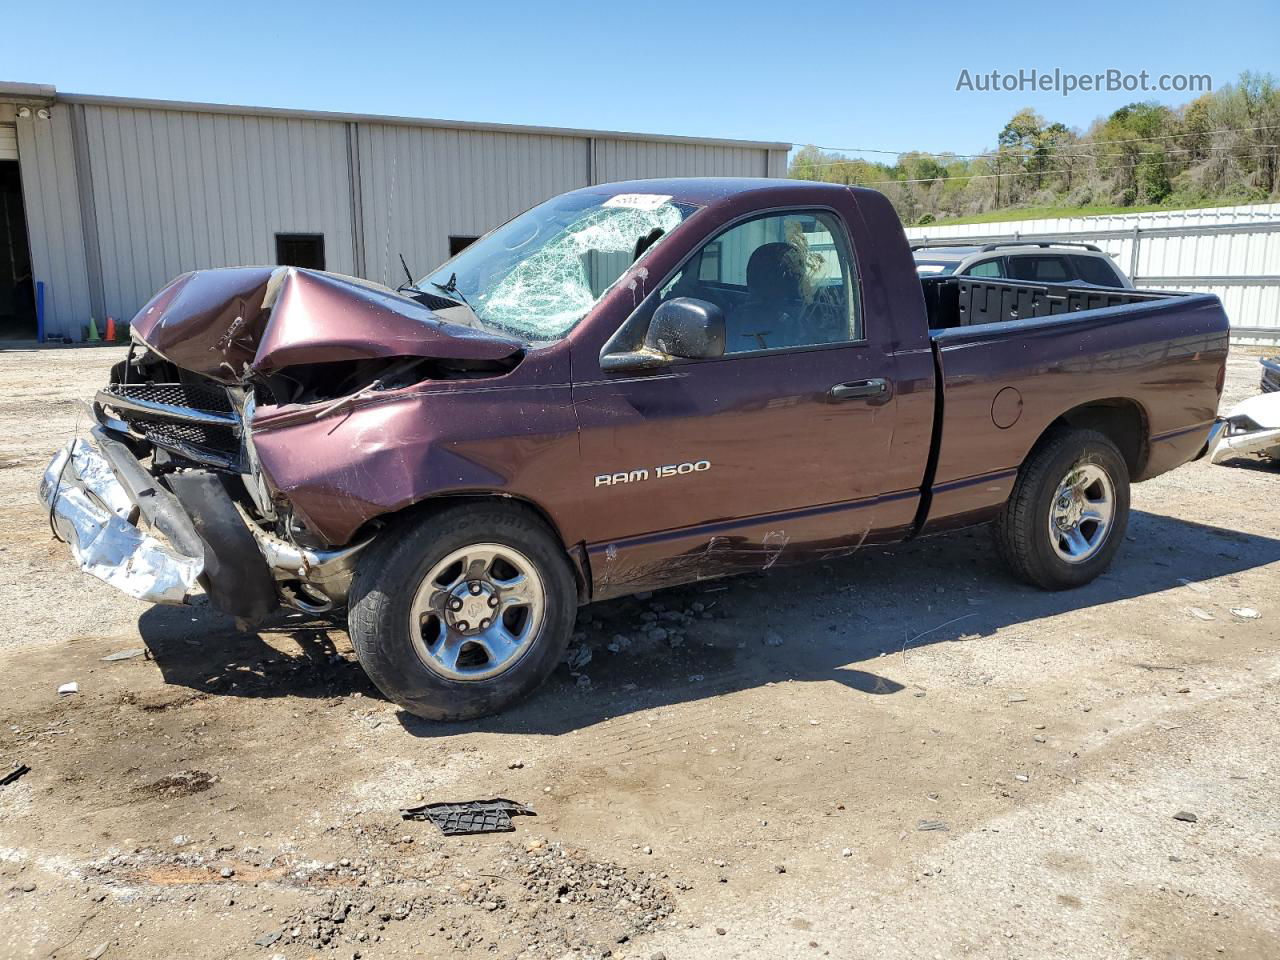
[[639, 160], [176, 191], [421, 185], [49, 193], [1248, 262], [163, 189]]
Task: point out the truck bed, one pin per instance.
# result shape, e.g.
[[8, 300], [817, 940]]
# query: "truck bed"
[[1011, 358], [970, 301]]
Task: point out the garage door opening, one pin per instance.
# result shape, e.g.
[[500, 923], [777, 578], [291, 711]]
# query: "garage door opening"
[[17, 289]]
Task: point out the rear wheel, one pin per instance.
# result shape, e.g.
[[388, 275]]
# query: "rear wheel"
[[464, 611], [1068, 512]]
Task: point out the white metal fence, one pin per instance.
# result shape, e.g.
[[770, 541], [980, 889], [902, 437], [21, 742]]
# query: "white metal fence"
[[1233, 252]]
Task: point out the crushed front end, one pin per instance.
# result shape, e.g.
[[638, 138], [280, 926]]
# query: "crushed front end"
[[168, 499], [165, 501]]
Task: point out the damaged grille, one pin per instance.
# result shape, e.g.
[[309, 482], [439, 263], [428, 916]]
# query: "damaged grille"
[[194, 420], [217, 440], [210, 398]]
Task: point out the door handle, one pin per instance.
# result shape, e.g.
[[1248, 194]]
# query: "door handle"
[[858, 389]]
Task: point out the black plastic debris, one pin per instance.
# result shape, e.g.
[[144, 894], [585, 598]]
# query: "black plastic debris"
[[19, 771], [474, 816]]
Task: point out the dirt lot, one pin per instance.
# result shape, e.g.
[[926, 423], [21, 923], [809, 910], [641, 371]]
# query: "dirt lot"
[[760, 782]]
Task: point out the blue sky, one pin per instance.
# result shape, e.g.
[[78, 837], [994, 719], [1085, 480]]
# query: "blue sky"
[[835, 74]]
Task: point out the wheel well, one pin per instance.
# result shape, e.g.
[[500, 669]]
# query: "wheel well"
[[1122, 420], [416, 511]]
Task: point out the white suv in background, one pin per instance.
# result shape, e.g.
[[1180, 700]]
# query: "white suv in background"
[[1020, 260]]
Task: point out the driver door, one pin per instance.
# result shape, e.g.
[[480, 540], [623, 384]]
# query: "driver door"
[[771, 453]]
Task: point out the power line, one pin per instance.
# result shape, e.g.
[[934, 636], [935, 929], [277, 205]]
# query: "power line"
[[1050, 153], [973, 156], [1048, 172]]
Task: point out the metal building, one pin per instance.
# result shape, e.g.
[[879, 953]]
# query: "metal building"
[[103, 200]]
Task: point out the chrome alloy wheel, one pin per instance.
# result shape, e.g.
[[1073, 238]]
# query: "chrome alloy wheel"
[[477, 612], [1082, 512]]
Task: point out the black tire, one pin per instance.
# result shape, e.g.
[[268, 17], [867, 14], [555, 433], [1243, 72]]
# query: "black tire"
[[1022, 529], [388, 576]]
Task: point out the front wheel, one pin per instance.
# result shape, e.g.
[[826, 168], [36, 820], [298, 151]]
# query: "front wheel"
[[464, 611], [1068, 512]]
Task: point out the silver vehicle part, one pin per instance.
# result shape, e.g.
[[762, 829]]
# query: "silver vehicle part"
[[324, 575], [245, 404], [166, 411], [477, 612], [1252, 429], [1081, 513], [93, 513]]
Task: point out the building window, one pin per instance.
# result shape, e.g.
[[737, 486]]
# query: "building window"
[[300, 250], [458, 244]]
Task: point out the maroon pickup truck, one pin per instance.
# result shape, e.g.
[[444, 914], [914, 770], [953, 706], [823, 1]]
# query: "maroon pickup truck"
[[629, 386]]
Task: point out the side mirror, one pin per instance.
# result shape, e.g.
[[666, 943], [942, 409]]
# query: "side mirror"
[[687, 328]]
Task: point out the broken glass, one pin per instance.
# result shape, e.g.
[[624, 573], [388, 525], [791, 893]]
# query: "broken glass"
[[539, 274]]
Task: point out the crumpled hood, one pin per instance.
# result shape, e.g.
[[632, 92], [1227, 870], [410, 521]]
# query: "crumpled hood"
[[224, 323]]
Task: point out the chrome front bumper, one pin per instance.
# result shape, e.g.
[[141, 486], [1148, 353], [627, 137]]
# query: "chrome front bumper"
[[94, 514], [115, 540]]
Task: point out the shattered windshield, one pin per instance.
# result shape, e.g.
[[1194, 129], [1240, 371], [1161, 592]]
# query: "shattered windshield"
[[538, 275]]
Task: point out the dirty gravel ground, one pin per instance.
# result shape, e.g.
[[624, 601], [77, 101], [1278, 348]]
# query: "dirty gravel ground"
[[755, 784]]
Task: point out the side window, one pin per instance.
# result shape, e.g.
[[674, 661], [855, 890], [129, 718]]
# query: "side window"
[[784, 280], [987, 268], [1096, 270], [1041, 268]]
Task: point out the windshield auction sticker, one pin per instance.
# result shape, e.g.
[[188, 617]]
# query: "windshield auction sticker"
[[638, 201]]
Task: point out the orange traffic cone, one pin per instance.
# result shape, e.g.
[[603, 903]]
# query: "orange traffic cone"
[[111, 329]]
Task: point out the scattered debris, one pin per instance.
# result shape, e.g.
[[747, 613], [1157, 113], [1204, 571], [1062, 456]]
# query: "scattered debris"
[[1201, 614], [1245, 613], [68, 688], [473, 816], [1192, 585], [1017, 698], [1186, 816], [268, 939], [619, 643], [125, 655], [578, 657], [932, 825], [98, 951], [21, 770]]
